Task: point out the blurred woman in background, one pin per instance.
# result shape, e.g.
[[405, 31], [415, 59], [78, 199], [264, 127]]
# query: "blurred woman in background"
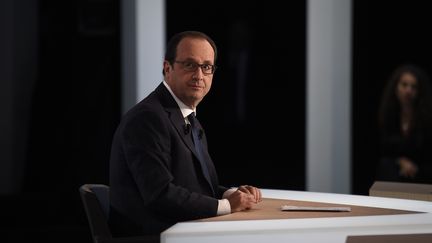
[[406, 127]]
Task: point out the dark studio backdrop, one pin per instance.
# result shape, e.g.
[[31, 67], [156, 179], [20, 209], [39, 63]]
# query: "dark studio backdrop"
[[386, 34], [254, 115]]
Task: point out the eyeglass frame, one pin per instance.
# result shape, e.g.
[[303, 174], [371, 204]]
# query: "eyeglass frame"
[[196, 65]]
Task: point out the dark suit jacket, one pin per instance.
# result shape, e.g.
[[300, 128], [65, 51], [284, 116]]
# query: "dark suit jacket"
[[156, 179]]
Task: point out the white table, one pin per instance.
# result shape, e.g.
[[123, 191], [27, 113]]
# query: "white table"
[[321, 230]]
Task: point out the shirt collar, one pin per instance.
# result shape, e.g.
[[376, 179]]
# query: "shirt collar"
[[185, 110]]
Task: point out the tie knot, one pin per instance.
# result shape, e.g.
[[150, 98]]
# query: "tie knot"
[[192, 119]]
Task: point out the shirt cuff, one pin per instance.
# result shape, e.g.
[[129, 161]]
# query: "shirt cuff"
[[229, 192], [224, 207]]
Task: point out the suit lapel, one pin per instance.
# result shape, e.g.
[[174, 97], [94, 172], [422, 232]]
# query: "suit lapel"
[[175, 115], [178, 122]]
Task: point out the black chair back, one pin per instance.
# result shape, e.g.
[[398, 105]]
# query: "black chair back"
[[95, 198]]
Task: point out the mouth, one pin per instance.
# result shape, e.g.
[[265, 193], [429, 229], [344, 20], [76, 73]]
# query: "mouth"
[[195, 86]]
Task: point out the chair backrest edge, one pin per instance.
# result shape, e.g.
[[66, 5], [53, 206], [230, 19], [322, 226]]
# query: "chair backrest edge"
[[96, 215]]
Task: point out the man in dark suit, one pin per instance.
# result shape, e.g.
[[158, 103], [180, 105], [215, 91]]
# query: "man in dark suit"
[[160, 169]]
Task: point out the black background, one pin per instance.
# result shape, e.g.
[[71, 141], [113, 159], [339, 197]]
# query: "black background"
[[386, 34]]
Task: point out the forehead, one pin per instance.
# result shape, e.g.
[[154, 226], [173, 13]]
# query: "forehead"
[[407, 78], [195, 48]]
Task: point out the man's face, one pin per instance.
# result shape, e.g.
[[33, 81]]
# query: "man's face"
[[190, 85]]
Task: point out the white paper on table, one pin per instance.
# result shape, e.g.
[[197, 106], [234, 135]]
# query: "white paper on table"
[[326, 209]]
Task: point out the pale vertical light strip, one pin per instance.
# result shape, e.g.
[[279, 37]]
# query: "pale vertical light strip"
[[143, 47], [328, 115], [128, 54]]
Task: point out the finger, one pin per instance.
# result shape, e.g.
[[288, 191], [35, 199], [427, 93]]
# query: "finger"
[[251, 200], [259, 195], [255, 193], [245, 189], [250, 190]]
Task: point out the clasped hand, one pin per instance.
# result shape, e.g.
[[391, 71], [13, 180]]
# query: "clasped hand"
[[244, 198], [407, 167]]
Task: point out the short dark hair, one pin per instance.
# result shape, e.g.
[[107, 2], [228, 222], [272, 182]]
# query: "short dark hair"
[[171, 49]]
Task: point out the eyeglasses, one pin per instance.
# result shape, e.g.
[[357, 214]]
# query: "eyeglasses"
[[192, 67]]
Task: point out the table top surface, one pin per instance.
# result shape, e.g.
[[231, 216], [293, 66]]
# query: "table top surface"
[[385, 215], [402, 217], [270, 208]]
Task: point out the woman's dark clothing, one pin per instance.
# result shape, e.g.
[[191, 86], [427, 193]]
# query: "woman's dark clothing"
[[417, 146]]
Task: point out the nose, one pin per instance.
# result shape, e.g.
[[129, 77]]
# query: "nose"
[[198, 74], [410, 89]]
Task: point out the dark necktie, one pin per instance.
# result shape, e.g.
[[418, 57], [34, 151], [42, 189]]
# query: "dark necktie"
[[197, 136]]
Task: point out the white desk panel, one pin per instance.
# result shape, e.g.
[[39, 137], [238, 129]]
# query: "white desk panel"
[[332, 230]]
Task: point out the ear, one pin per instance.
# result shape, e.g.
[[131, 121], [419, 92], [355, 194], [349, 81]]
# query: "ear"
[[167, 67]]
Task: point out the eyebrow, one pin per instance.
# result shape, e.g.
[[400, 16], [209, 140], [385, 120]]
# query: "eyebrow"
[[192, 60]]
